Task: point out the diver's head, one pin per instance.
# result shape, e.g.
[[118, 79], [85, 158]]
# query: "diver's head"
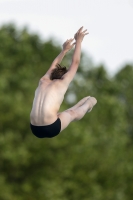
[[58, 72]]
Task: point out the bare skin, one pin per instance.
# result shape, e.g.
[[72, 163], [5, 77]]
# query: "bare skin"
[[49, 94]]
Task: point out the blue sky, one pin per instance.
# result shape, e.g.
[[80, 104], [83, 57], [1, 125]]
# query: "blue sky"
[[109, 22]]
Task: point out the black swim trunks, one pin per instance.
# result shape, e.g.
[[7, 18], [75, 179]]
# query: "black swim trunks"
[[48, 131]]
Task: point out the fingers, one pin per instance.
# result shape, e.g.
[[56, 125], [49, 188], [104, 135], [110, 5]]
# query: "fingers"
[[86, 33], [80, 31], [73, 43], [70, 40], [80, 28]]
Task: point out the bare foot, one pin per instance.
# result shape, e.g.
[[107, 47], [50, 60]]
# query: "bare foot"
[[92, 102]]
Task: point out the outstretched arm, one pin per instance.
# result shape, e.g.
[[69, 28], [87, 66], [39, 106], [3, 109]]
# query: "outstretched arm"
[[76, 55], [77, 52], [67, 46]]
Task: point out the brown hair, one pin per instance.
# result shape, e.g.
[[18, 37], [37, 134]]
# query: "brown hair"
[[58, 72]]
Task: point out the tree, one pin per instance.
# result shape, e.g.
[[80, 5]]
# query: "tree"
[[92, 158]]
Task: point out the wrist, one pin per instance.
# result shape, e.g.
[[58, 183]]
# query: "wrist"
[[79, 41], [64, 51]]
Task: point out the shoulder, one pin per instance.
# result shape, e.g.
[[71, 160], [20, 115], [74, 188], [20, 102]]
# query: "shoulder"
[[68, 77], [44, 78]]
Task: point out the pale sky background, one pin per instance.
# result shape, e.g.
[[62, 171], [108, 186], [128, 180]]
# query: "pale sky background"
[[109, 22]]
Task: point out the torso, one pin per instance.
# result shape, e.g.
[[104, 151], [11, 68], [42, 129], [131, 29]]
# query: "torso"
[[48, 98]]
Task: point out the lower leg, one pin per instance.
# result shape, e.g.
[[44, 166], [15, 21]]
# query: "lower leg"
[[80, 103], [84, 108]]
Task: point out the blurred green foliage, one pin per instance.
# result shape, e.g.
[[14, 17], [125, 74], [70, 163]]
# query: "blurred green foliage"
[[93, 158]]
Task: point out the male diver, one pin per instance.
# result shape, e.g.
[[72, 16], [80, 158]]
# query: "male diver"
[[45, 120]]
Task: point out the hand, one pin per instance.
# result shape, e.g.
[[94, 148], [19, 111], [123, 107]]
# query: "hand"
[[80, 34], [67, 46]]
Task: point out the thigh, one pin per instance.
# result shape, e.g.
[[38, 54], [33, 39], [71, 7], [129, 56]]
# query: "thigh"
[[66, 118]]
